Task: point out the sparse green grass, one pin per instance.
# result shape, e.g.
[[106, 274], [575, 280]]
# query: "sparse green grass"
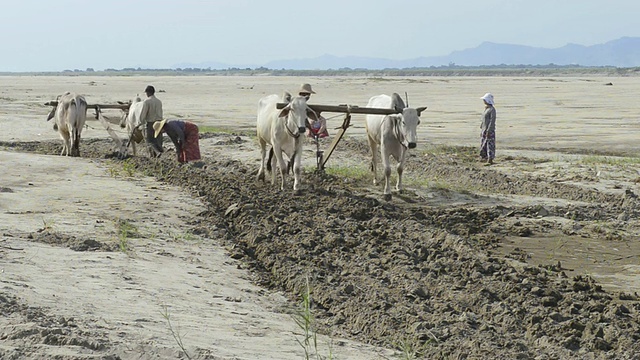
[[306, 322], [438, 184], [208, 129], [183, 237], [204, 129], [464, 153], [174, 332], [125, 230], [128, 167], [124, 168], [414, 348], [47, 225], [609, 160], [359, 173]]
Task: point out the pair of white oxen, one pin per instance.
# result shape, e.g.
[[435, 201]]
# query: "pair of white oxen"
[[284, 129], [70, 116]]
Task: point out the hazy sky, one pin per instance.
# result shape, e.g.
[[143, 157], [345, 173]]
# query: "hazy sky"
[[72, 34]]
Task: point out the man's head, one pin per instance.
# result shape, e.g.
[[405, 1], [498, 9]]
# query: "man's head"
[[149, 90], [306, 91]]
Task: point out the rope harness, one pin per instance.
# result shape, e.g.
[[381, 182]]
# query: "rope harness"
[[397, 131]]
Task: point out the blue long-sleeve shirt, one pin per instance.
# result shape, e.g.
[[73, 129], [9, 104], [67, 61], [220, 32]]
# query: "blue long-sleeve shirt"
[[175, 130]]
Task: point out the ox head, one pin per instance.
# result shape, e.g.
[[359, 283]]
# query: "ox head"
[[296, 115], [407, 125]]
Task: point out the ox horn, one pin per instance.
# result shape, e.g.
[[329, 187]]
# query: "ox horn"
[[406, 97]]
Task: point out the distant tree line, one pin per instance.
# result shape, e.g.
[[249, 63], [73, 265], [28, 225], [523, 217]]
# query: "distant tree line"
[[444, 70]]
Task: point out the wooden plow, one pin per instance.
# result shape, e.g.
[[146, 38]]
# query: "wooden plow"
[[321, 159], [122, 146]]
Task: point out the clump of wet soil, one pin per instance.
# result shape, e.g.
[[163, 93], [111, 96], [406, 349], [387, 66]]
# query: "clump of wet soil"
[[391, 272], [66, 240], [38, 329]]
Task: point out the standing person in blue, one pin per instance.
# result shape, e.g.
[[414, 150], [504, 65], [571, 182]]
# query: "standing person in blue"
[[152, 112], [488, 130]]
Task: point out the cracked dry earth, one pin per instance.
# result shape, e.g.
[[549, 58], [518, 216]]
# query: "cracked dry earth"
[[528, 259]]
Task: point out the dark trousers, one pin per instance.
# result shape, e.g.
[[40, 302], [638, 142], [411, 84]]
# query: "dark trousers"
[[154, 144]]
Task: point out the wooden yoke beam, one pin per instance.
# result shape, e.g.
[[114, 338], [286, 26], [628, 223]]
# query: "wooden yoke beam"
[[348, 110], [124, 107]]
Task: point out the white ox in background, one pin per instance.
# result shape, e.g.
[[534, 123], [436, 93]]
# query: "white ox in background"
[[136, 131], [394, 134], [282, 129], [70, 117]]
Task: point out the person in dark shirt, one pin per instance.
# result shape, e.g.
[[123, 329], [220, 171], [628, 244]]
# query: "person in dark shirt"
[[184, 135]]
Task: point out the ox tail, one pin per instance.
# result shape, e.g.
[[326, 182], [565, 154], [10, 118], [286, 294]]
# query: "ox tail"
[[72, 125], [289, 164], [269, 161], [77, 117]]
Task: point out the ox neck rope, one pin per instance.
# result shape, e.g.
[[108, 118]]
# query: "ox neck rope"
[[398, 132], [286, 126]]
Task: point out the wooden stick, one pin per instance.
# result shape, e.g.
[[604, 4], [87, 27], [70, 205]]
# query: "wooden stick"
[[54, 103], [345, 125]]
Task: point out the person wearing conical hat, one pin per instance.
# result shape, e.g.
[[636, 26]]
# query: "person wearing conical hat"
[[488, 130], [183, 134], [317, 128]]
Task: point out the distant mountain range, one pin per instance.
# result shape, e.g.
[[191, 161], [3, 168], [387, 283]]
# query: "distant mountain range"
[[623, 52]]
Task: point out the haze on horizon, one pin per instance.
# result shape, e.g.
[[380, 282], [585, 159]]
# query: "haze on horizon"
[[74, 34]]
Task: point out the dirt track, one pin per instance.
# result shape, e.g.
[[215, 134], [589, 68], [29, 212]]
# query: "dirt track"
[[422, 269]]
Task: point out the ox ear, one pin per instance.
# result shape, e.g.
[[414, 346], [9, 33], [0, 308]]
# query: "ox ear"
[[312, 115], [51, 114], [421, 109], [284, 112]]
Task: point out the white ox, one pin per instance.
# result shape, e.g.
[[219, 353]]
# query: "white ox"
[[70, 117], [282, 130], [133, 124], [394, 134]]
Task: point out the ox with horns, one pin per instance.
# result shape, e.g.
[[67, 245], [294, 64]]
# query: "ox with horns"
[[70, 116], [282, 130], [395, 134]]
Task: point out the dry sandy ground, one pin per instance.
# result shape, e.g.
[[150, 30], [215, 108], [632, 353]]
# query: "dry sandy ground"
[[118, 297], [122, 295]]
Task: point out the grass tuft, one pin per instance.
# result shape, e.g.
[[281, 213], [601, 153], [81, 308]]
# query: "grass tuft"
[[306, 322], [125, 230], [175, 333]]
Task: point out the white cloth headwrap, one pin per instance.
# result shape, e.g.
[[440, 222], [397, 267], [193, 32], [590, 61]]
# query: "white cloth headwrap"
[[488, 98]]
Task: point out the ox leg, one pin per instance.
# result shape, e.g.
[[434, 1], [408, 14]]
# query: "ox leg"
[[387, 173], [277, 152], [374, 154], [75, 142], [274, 163], [400, 169], [263, 153], [66, 143], [297, 165], [130, 131]]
